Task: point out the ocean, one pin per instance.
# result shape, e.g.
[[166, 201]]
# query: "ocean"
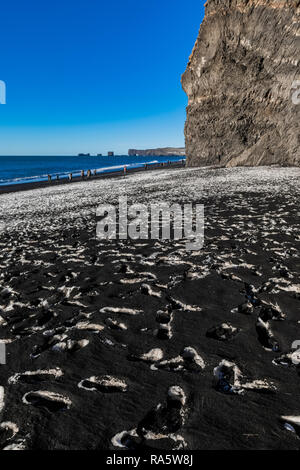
[[28, 169]]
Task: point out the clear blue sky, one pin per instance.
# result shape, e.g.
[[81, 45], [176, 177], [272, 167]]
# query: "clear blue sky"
[[94, 75]]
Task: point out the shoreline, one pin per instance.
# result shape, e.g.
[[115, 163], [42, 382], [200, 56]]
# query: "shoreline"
[[17, 187]]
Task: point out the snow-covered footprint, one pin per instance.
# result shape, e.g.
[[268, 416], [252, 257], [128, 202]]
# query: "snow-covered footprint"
[[104, 384], [49, 400]]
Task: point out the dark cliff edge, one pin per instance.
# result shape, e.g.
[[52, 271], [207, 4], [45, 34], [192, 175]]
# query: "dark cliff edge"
[[241, 82], [160, 152]]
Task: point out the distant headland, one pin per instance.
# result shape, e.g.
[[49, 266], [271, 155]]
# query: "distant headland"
[[159, 152]]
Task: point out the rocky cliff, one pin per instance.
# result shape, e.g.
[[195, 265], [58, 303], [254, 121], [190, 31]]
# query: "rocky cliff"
[[241, 82], [160, 152]]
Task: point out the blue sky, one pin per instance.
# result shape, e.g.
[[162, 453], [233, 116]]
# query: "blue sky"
[[93, 75]]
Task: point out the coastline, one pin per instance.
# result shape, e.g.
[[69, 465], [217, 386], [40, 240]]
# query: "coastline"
[[16, 187]]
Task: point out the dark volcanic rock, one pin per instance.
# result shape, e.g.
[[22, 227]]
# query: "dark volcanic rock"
[[241, 85]]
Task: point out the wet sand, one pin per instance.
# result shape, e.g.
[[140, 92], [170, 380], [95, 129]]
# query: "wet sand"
[[99, 333]]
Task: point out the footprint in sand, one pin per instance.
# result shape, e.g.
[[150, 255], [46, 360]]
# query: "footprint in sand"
[[160, 424], [36, 376], [229, 379], [105, 384], [189, 360], [223, 332], [266, 337], [8, 431], [49, 400]]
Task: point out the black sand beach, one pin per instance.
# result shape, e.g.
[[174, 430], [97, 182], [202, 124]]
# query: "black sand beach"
[[13, 188], [98, 333]]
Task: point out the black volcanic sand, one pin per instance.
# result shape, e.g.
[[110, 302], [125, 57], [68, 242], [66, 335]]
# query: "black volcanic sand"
[[57, 286]]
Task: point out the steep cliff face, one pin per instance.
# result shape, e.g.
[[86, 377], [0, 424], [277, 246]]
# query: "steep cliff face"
[[242, 107]]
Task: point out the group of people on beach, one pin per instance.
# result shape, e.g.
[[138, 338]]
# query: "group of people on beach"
[[89, 172]]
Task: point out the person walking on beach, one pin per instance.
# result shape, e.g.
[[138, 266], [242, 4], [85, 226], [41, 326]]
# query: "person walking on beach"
[[70, 177], [125, 171]]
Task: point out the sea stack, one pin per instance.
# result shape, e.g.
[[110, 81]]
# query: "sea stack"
[[243, 85]]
